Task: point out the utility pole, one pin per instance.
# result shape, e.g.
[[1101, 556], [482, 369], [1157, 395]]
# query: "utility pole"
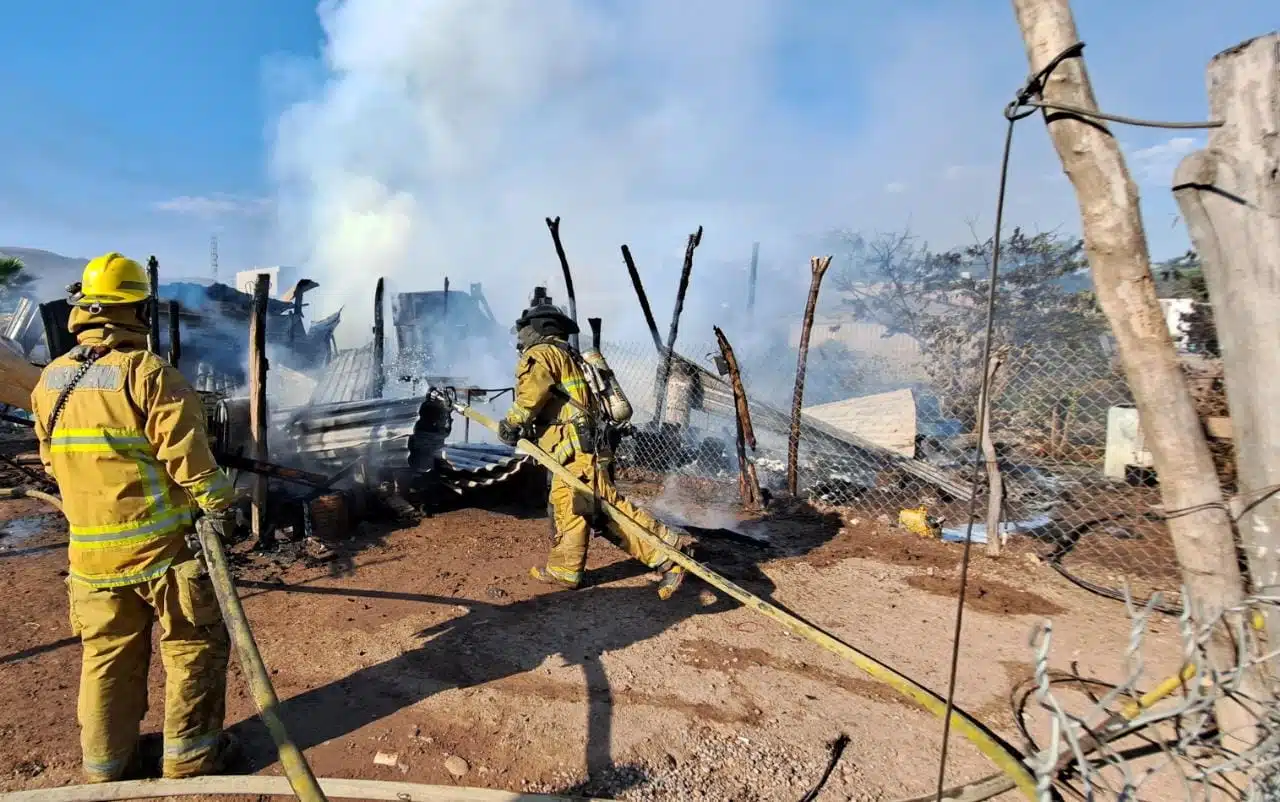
[[213, 257]]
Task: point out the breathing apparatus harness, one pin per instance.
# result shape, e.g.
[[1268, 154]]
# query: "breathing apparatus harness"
[[86, 355]]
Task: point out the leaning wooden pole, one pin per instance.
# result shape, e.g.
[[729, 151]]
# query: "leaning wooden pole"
[[1229, 194], [641, 296], [818, 266], [664, 371], [748, 482], [1116, 246], [258, 402]]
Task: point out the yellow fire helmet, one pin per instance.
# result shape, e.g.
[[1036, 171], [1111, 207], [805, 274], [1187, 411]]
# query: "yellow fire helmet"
[[113, 280]]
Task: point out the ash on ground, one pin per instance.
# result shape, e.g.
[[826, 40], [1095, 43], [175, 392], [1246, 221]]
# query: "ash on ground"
[[706, 764]]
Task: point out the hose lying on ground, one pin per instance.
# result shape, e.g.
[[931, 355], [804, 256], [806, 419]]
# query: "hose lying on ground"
[[26, 492], [1013, 771], [257, 785]]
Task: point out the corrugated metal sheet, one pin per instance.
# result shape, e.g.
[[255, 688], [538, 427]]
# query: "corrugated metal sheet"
[[465, 466], [394, 434], [349, 377]]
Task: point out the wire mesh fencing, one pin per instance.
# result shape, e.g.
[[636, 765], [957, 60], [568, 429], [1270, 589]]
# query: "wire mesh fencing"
[[893, 438], [1210, 730]]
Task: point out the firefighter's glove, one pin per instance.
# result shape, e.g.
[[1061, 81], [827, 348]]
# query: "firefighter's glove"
[[508, 432], [220, 525]]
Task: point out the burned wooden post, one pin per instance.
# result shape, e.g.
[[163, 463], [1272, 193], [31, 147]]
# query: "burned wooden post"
[[642, 297], [1229, 194], [553, 224], [380, 339], [995, 482], [818, 266], [153, 306], [175, 333], [751, 280], [664, 372], [258, 402], [748, 482], [1116, 246]]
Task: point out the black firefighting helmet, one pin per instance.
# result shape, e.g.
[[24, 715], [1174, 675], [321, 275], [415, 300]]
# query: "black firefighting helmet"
[[544, 317]]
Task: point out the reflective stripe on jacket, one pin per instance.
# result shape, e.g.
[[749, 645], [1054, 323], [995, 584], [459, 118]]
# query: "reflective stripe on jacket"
[[131, 457], [543, 368]]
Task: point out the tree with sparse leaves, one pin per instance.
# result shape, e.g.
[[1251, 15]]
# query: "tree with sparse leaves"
[[939, 299]]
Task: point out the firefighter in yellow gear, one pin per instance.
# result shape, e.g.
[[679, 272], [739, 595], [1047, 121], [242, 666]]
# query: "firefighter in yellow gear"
[[123, 434], [555, 407]]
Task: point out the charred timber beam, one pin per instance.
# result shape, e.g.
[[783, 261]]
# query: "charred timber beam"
[[748, 482], [643, 298], [153, 305], [553, 224], [379, 341]]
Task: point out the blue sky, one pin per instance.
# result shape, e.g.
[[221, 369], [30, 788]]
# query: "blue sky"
[[408, 137]]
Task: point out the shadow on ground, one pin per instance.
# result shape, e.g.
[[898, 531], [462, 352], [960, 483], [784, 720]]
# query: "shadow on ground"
[[496, 641]]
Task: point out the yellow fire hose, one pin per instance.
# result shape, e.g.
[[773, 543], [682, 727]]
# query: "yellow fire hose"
[[1009, 764], [292, 760], [295, 765]]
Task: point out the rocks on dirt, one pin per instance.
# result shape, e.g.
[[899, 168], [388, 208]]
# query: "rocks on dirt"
[[385, 759], [456, 766]]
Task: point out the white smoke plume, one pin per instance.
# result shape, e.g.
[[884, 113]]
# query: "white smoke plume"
[[441, 133]]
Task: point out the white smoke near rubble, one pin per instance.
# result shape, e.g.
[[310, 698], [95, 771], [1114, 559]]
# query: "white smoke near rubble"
[[441, 133]]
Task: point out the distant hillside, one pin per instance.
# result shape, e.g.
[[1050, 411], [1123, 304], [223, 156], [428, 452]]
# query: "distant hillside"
[[52, 271]]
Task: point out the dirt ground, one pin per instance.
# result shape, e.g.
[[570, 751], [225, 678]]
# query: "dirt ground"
[[427, 642]]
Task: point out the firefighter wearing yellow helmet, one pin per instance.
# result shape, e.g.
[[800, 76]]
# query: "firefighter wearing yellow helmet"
[[123, 433], [555, 406]]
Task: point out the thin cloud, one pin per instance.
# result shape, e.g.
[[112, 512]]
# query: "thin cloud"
[[1155, 164], [211, 206]]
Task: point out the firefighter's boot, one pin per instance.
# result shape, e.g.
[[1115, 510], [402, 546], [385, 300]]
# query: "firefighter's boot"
[[673, 573], [543, 575]]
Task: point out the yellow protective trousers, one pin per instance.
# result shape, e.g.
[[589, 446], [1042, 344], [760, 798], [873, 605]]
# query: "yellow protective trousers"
[[571, 510], [114, 625]]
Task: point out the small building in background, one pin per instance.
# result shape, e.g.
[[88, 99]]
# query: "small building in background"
[[283, 279]]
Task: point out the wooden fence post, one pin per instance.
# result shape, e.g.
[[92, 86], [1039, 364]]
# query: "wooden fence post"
[[818, 266], [1229, 195], [258, 402], [995, 482], [1116, 246]]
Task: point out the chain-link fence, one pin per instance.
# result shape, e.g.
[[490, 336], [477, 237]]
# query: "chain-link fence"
[[1209, 730], [885, 435]]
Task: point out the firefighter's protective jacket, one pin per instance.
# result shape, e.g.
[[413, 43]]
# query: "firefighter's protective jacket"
[[545, 375], [129, 451]]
